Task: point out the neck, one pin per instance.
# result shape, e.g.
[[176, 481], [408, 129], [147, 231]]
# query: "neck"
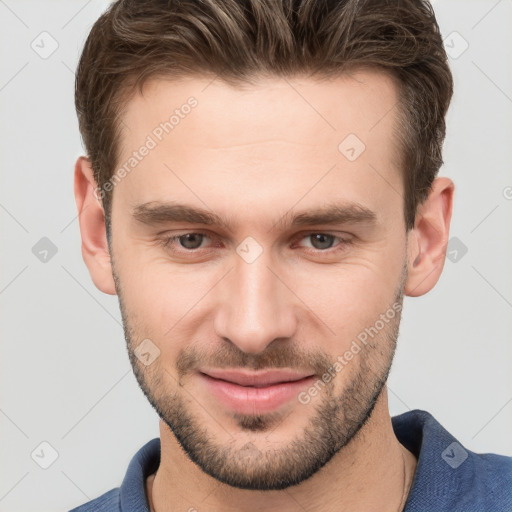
[[372, 473]]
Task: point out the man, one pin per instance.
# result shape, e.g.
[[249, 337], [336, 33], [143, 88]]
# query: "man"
[[260, 191]]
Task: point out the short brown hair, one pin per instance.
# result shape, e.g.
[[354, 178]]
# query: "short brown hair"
[[238, 40]]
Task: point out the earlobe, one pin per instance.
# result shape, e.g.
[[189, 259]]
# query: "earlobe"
[[429, 238], [91, 217]]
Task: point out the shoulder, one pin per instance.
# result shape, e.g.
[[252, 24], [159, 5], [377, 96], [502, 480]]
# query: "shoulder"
[[106, 502], [450, 477], [131, 495], [488, 478]]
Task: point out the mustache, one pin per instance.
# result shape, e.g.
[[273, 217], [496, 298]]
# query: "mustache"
[[277, 355]]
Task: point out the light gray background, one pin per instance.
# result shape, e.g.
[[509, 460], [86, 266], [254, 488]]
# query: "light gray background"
[[65, 375]]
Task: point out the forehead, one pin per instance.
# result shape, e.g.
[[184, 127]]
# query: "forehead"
[[356, 100], [272, 139]]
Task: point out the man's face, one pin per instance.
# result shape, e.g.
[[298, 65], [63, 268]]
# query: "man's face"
[[259, 291]]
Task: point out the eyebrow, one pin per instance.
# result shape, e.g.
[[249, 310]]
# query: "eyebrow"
[[154, 213]]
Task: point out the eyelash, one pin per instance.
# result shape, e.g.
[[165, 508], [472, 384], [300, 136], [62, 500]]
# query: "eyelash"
[[343, 242]]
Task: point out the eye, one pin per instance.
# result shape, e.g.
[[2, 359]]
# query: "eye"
[[193, 241], [324, 241], [188, 241], [321, 240]]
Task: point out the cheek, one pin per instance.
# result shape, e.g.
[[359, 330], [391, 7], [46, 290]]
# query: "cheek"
[[166, 304], [167, 300], [347, 299]]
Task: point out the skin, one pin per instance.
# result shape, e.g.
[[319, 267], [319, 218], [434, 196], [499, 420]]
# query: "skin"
[[251, 155]]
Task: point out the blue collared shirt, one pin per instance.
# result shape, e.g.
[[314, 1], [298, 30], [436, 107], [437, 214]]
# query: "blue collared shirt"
[[448, 477]]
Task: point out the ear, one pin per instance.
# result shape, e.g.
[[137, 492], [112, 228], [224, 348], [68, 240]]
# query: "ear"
[[428, 240], [91, 217]]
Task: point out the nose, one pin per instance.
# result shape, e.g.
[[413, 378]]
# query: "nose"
[[255, 305]]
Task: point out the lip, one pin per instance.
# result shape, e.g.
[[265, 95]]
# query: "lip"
[[254, 392], [257, 379]]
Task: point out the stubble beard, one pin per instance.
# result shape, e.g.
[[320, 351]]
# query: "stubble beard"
[[335, 422]]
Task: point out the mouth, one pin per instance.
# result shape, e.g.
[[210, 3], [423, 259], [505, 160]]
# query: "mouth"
[[254, 392]]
